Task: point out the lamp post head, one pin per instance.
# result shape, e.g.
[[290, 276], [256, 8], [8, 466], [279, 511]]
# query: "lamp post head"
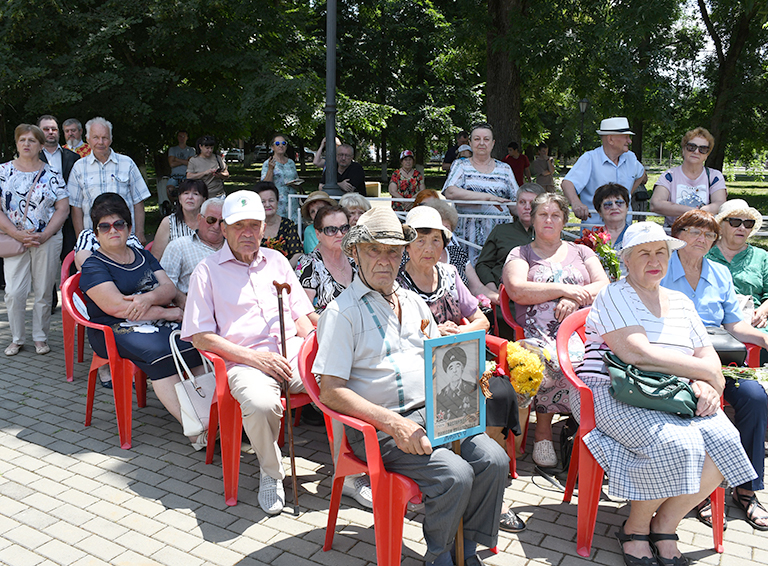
[[583, 105]]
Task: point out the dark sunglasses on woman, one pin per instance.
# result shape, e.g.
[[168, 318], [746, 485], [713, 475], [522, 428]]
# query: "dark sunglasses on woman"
[[332, 230], [736, 222], [692, 147], [118, 225]]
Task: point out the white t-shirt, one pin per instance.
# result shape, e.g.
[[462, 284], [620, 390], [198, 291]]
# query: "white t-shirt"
[[690, 192]]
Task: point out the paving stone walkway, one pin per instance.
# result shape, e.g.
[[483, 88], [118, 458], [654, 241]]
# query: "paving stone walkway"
[[69, 495]]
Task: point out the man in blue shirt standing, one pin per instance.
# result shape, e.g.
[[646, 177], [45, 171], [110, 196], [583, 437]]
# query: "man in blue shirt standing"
[[612, 162]]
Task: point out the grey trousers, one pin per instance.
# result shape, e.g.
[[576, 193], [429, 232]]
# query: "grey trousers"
[[470, 486]]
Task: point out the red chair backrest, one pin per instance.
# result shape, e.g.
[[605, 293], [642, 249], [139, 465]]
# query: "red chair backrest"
[[574, 323], [507, 315], [148, 247], [69, 288], [66, 265]]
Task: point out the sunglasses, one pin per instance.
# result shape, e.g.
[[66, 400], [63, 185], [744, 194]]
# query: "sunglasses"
[[213, 220], [332, 230], [736, 222], [695, 232], [106, 227], [610, 203], [692, 147], [281, 143]]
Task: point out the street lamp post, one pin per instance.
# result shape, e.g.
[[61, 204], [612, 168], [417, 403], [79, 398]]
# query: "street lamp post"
[[330, 100], [583, 105]]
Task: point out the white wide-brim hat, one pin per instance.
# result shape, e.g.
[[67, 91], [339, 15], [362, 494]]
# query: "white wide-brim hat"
[[242, 205], [378, 225], [646, 232], [427, 217], [739, 207], [617, 125]]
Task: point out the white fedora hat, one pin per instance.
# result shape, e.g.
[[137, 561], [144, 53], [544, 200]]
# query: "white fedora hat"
[[618, 125]]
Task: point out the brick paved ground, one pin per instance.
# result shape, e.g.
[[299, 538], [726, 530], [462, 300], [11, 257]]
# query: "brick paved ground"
[[70, 495]]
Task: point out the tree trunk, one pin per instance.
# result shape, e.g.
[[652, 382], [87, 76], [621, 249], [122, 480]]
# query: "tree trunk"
[[503, 99], [726, 82], [384, 156]]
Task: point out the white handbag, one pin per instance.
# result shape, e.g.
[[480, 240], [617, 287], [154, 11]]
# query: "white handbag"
[[195, 393]]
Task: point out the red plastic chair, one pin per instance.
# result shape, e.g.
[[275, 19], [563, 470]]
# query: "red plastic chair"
[[391, 492], [69, 326], [226, 415], [124, 373], [506, 312], [583, 464], [149, 245]]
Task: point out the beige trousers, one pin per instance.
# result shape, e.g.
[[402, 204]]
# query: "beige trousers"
[[34, 270], [259, 398]]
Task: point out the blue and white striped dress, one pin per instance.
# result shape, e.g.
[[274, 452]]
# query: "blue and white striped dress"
[[651, 454]]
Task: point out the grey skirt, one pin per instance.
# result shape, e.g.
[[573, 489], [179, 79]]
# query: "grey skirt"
[[655, 455]]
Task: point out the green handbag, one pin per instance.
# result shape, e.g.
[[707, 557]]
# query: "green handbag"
[[649, 389]]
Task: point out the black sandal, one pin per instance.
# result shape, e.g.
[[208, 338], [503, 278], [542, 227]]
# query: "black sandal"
[[749, 504], [677, 560], [704, 506], [630, 560]]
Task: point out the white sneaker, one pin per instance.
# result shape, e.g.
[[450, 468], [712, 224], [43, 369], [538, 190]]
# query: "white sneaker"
[[271, 494], [544, 454], [201, 442], [359, 488]]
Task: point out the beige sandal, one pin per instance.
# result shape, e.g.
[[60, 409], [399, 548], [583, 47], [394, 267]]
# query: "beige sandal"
[[13, 349]]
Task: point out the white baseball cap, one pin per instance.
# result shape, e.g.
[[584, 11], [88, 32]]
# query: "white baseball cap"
[[242, 205]]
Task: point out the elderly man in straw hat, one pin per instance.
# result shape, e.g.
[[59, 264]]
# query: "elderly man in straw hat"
[[371, 359], [612, 162], [232, 310]]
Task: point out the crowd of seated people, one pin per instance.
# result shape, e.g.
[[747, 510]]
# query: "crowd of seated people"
[[366, 271]]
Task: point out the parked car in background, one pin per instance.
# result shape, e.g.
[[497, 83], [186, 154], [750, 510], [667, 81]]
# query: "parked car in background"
[[235, 154]]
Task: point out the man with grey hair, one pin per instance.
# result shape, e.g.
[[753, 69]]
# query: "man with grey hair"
[[351, 176], [105, 171], [504, 237], [371, 362], [182, 255], [73, 133]]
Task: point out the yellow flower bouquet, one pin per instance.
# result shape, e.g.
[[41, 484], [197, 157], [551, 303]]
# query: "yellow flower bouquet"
[[526, 369]]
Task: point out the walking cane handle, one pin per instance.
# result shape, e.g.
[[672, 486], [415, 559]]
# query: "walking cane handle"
[[281, 286]]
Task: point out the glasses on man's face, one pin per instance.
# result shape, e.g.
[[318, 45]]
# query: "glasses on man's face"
[[213, 220], [281, 143], [610, 203], [692, 147], [696, 233], [333, 230], [118, 225], [736, 222]]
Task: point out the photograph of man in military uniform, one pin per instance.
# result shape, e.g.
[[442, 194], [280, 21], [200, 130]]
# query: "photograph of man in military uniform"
[[456, 392]]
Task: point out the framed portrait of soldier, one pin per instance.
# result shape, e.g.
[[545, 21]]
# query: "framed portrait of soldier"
[[455, 405]]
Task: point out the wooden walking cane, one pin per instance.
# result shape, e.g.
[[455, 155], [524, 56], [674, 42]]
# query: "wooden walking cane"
[[287, 389]]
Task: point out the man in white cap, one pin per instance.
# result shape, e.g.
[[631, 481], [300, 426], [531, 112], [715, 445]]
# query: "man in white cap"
[[232, 310], [371, 362], [612, 162]]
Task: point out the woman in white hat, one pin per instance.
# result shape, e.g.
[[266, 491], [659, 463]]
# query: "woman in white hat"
[[406, 181], [748, 265], [692, 184], [450, 301], [664, 464]]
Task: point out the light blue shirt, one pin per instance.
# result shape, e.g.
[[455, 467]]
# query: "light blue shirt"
[[714, 297], [594, 169]]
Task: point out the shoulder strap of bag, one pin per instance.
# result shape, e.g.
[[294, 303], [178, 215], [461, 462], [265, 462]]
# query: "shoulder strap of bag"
[[179, 362], [709, 181]]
